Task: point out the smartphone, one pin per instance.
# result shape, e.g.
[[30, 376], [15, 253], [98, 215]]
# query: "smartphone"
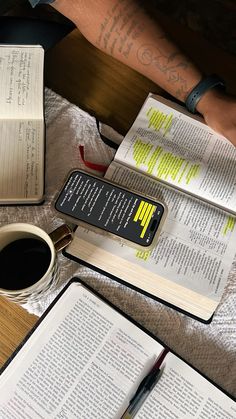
[[110, 209]]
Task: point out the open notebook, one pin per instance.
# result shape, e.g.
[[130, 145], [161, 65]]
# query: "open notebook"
[[22, 129]]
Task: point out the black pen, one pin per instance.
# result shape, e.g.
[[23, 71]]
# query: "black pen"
[[145, 387]]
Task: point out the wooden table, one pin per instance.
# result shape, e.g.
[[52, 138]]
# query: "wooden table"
[[114, 93]]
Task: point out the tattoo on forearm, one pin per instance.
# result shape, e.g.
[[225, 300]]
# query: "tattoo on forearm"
[[149, 55], [118, 34], [120, 29]]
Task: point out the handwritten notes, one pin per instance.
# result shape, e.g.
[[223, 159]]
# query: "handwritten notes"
[[21, 77], [21, 124]]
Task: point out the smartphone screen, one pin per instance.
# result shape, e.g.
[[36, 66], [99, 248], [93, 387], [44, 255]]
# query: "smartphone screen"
[[110, 207]]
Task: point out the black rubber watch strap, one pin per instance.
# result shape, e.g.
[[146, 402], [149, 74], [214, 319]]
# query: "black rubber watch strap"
[[202, 87]]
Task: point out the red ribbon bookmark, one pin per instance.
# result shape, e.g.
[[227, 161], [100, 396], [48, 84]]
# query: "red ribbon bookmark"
[[94, 166]]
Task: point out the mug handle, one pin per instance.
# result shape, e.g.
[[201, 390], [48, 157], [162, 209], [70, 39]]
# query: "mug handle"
[[61, 237]]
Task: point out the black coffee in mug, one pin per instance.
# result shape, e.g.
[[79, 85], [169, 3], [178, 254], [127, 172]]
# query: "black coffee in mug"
[[23, 262]]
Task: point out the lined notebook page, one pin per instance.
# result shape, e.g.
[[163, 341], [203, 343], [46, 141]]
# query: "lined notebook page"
[[21, 124], [21, 82], [22, 160]]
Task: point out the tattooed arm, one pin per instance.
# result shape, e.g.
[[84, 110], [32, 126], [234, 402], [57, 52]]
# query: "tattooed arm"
[[122, 29]]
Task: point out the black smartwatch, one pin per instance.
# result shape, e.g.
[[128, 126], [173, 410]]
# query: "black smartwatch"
[[202, 87]]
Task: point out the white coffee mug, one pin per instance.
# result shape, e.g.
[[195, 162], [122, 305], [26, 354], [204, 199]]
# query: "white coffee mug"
[[15, 234]]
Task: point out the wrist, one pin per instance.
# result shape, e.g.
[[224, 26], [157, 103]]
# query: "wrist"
[[208, 100], [203, 93]]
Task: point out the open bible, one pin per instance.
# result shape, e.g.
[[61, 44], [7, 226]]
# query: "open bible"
[[86, 359], [21, 124], [174, 157]]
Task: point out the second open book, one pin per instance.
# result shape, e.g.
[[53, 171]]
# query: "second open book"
[[86, 360], [176, 158]]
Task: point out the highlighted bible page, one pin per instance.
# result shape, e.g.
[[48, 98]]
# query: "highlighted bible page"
[[182, 151]]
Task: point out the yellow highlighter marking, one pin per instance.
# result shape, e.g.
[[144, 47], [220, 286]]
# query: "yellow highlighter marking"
[[159, 120], [144, 219], [148, 221], [143, 212], [229, 226], [143, 215], [136, 217], [143, 255]]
